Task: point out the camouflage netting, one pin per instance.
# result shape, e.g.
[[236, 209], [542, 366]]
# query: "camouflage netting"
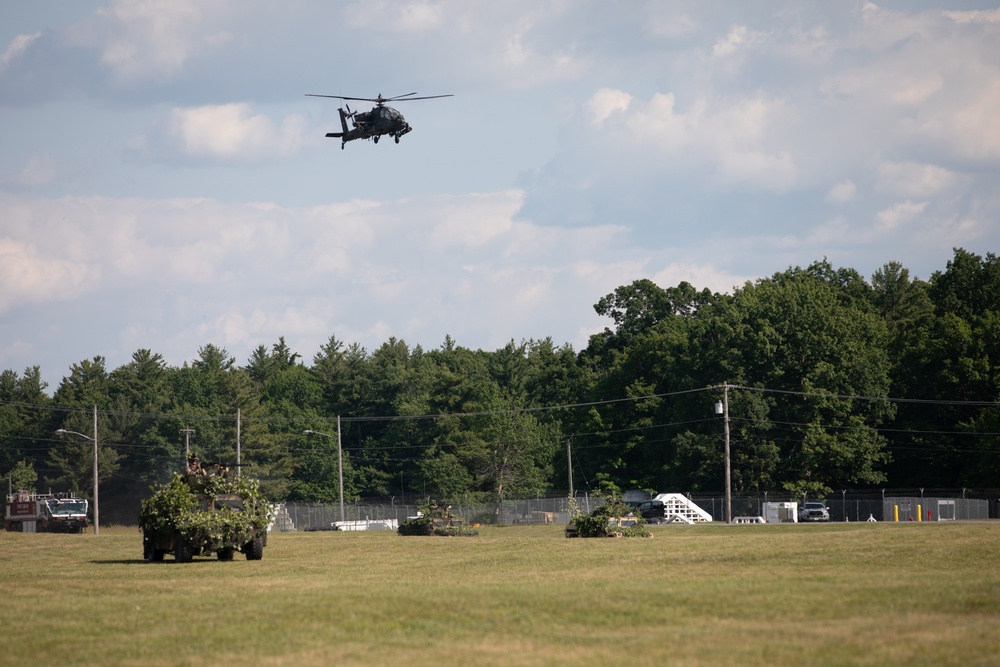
[[183, 505], [436, 520]]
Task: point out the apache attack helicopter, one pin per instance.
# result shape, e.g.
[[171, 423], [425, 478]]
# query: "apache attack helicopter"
[[373, 124]]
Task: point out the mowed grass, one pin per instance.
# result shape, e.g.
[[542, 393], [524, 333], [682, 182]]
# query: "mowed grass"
[[840, 594]]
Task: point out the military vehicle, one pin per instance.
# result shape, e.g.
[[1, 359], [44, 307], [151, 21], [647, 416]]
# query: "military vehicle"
[[202, 512]]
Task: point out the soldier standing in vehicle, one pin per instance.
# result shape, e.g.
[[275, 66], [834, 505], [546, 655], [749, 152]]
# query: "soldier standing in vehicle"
[[194, 466]]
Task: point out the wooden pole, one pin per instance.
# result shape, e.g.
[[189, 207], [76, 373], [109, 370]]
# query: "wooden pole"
[[97, 504]]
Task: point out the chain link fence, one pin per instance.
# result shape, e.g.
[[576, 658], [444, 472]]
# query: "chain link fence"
[[944, 505], [541, 510]]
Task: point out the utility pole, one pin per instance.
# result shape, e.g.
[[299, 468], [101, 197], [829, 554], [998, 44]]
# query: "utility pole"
[[340, 465], [722, 407], [729, 477], [97, 505], [239, 468], [187, 442], [340, 470], [569, 465]]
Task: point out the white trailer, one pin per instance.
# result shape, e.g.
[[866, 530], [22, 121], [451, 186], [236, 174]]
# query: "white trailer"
[[781, 512]]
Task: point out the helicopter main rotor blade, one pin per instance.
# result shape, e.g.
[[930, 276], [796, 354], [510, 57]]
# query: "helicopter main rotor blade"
[[410, 99], [380, 99], [341, 97]]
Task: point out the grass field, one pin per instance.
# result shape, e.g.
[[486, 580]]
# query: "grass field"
[[840, 594]]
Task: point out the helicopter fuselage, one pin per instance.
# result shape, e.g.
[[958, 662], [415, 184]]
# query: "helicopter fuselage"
[[371, 124]]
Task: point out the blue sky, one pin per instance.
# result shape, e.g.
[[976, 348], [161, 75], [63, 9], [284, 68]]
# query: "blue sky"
[[165, 182]]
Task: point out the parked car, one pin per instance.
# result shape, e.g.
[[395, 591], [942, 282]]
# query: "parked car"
[[813, 511], [653, 511]]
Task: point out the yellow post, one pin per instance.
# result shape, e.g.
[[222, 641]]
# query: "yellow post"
[[895, 513], [919, 513]]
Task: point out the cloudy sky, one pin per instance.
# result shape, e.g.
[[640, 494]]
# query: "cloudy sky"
[[165, 183]]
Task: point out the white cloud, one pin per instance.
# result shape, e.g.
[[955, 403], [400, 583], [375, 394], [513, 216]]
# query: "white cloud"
[[38, 171], [533, 66], [735, 40], [669, 23], [967, 129], [402, 17], [242, 275], [16, 49], [757, 170], [899, 214], [29, 276], [736, 140], [842, 192], [913, 179], [605, 102], [975, 16], [140, 38], [234, 131]]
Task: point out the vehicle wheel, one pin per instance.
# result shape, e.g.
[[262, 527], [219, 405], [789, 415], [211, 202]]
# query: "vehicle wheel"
[[224, 554], [254, 549], [183, 551], [151, 553]]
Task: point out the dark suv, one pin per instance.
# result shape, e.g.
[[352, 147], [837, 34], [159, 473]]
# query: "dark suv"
[[653, 511]]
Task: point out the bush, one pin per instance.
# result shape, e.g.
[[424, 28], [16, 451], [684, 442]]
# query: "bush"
[[420, 525], [596, 523]]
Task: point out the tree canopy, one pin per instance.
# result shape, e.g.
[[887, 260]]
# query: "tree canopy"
[[833, 382]]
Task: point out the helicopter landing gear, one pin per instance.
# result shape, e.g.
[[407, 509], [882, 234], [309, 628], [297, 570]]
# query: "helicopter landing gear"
[[342, 144], [375, 138], [397, 138]]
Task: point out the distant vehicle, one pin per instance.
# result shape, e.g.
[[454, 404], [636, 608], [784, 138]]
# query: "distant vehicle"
[[813, 511], [377, 122], [653, 511], [30, 512]]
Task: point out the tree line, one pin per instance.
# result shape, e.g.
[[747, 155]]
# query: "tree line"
[[834, 382]]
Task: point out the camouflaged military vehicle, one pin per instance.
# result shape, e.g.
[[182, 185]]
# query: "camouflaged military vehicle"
[[202, 512]]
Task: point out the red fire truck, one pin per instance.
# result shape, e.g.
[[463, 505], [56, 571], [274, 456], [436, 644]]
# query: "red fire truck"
[[30, 512]]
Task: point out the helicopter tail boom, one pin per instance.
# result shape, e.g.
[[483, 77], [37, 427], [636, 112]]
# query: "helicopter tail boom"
[[343, 125]]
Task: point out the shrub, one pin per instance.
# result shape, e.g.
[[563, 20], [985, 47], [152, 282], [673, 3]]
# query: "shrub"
[[596, 523]]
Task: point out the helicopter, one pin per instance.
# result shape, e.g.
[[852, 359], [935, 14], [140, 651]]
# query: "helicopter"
[[378, 121]]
